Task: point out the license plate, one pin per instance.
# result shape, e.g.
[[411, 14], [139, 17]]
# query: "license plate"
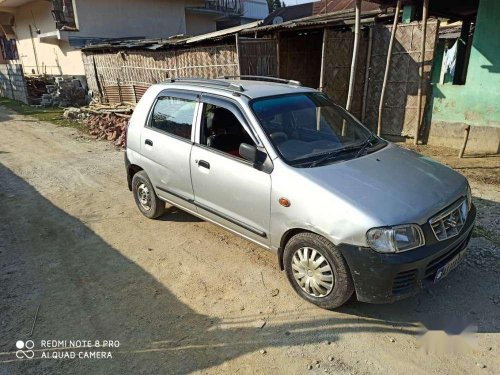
[[448, 267]]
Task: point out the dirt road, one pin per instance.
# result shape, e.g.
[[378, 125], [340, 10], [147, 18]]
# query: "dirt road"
[[183, 296]]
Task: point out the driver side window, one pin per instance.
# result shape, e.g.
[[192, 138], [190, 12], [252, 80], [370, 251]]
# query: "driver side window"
[[221, 130]]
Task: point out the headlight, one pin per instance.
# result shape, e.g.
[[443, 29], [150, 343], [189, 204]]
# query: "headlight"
[[469, 197], [395, 239]]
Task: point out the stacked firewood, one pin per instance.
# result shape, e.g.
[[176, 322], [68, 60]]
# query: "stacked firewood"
[[109, 126]]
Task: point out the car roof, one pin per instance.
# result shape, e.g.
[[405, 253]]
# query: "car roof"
[[250, 88]]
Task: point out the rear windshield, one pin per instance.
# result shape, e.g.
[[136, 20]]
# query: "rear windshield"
[[306, 126]]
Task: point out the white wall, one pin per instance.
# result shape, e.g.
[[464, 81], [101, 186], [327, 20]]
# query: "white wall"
[[53, 58], [197, 24], [130, 18], [256, 9], [101, 19]]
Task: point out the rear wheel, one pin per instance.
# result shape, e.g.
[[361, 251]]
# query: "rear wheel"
[[145, 197], [317, 270]]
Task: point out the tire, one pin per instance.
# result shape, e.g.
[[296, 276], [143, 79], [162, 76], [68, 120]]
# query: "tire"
[[145, 196], [299, 248]]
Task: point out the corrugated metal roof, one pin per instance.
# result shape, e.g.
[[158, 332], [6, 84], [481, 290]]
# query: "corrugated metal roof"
[[222, 33], [337, 18], [338, 5], [154, 44]]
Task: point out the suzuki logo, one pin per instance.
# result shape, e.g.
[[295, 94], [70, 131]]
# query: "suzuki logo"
[[451, 222]]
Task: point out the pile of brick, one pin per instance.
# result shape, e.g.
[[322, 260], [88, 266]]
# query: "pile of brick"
[[109, 126], [37, 86]]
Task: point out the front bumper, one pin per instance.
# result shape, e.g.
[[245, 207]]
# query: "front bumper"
[[381, 278]]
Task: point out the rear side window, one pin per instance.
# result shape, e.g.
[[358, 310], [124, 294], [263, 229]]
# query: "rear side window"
[[174, 116]]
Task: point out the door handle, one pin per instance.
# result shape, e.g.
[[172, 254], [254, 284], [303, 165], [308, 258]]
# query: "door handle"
[[204, 164], [149, 142]]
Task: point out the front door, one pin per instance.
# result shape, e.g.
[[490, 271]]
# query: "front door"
[[227, 188]]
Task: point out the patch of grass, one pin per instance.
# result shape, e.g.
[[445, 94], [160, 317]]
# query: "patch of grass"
[[480, 231], [53, 115]]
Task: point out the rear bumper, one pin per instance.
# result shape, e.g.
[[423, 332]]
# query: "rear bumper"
[[381, 278]]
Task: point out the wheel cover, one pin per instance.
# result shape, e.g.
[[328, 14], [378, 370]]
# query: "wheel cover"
[[312, 272], [144, 196]]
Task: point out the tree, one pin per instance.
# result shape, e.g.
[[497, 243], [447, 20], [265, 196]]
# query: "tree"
[[274, 4]]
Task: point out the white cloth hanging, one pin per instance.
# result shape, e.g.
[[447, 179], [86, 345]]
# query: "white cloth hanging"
[[450, 59]]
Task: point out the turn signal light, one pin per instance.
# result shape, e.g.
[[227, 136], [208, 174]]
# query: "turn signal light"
[[284, 202]]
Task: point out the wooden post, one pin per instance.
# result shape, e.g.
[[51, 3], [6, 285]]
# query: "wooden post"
[[322, 71], [237, 41], [425, 12], [176, 64], [354, 62], [119, 91], [321, 79], [466, 138], [34, 50], [367, 72], [387, 67], [278, 72]]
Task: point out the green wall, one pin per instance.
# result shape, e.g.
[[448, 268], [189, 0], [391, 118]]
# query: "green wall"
[[476, 103]]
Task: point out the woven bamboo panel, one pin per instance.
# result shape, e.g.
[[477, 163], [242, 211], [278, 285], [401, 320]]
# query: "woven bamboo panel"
[[338, 58], [133, 71], [300, 57], [258, 57], [207, 62], [400, 107]]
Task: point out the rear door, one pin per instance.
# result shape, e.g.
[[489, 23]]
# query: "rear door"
[[166, 144], [227, 188]]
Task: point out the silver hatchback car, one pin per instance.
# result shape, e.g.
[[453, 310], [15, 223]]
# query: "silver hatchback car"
[[285, 167]]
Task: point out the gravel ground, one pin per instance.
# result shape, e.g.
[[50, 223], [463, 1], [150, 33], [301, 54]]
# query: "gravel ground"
[[183, 296]]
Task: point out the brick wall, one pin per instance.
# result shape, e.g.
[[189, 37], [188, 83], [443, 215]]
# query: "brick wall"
[[12, 83]]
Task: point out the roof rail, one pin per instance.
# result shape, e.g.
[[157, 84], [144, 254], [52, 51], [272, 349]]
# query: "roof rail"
[[209, 82], [265, 78]]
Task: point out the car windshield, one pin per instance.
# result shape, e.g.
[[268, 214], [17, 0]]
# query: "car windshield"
[[309, 127]]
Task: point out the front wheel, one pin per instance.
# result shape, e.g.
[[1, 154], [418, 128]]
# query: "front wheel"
[[145, 197], [317, 270]]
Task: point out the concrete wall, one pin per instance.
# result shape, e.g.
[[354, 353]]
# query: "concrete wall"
[[197, 24], [130, 18], [477, 103], [55, 58], [255, 9], [98, 19], [12, 83]]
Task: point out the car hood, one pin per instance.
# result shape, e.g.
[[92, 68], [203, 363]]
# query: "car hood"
[[392, 185]]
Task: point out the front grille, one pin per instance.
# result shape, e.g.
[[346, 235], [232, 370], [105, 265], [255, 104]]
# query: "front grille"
[[449, 223], [404, 282]]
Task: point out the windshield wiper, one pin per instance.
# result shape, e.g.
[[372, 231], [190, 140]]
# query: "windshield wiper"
[[330, 155], [364, 146]]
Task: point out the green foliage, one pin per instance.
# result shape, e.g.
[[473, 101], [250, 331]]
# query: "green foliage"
[[48, 114], [274, 4]]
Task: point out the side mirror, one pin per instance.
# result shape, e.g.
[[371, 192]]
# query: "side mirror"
[[252, 153]]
